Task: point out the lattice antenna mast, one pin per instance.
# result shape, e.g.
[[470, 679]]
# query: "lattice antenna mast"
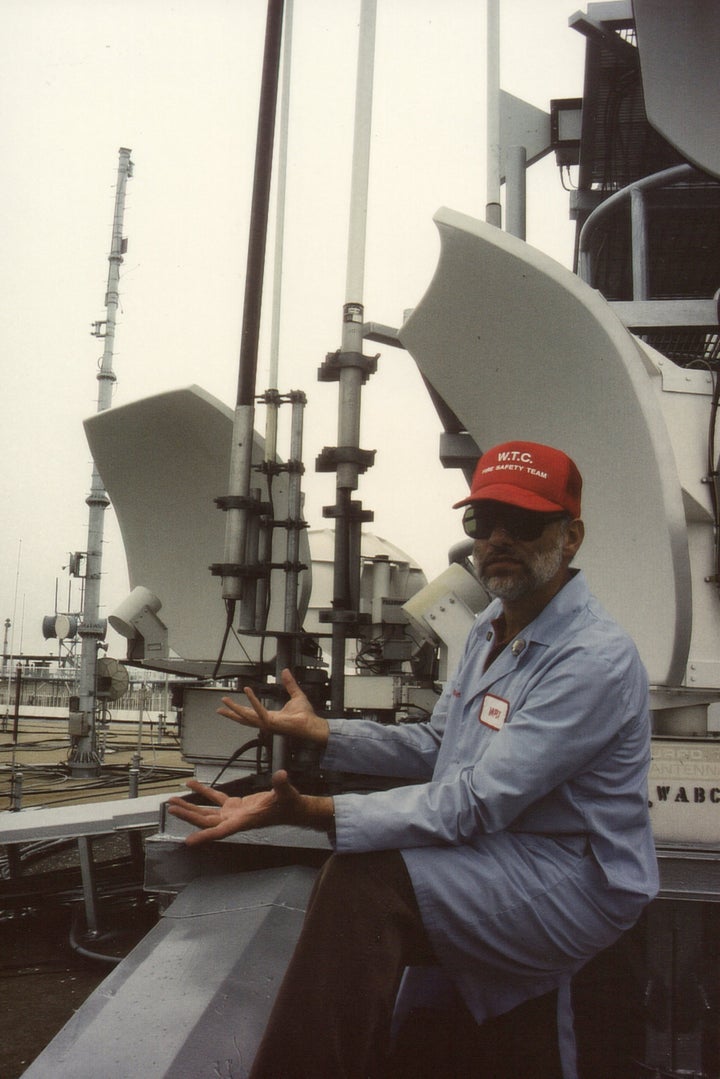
[[83, 757]]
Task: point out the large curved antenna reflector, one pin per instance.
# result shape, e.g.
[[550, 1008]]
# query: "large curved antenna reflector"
[[162, 460], [519, 347]]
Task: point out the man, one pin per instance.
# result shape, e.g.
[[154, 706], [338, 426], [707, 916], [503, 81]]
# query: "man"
[[523, 846]]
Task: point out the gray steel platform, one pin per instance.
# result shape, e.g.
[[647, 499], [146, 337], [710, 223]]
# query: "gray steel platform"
[[192, 999]]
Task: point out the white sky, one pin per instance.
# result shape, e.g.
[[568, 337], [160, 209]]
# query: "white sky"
[[177, 81]]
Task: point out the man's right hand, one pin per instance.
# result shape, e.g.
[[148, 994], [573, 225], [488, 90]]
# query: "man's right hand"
[[297, 717]]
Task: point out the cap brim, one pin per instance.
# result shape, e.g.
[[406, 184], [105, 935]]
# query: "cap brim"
[[513, 496]]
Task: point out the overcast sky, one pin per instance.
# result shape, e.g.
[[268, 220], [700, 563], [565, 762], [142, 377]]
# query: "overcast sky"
[[177, 81]]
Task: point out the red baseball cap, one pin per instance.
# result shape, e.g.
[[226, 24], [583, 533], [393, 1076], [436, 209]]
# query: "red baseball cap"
[[529, 475]]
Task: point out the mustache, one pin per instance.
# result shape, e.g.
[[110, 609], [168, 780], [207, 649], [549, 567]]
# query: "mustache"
[[500, 553]]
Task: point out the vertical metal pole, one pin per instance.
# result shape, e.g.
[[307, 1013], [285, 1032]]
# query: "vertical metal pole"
[[357, 226], [272, 396], [638, 226], [134, 776], [294, 514], [347, 529], [16, 787], [83, 757], [234, 585], [280, 198], [515, 190], [18, 691], [89, 886], [493, 212], [287, 649], [249, 608], [260, 534]]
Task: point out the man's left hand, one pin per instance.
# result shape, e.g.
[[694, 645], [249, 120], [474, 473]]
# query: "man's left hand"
[[281, 805]]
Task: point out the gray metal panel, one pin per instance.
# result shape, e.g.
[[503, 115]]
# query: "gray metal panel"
[[93, 818], [687, 873], [519, 347], [193, 998], [679, 46]]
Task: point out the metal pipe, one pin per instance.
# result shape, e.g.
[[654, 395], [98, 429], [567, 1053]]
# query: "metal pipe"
[[347, 529], [280, 197], [6, 654], [262, 587], [233, 586], [236, 517], [16, 713], [381, 571], [260, 205], [516, 190], [357, 225], [247, 617], [16, 789], [639, 245], [265, 539], [673, 175], [89, 884], [287, 646], [272, 397], [493, 212], [294, 514], [134, 776], [351, 378]]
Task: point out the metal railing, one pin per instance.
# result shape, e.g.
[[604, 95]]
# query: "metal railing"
[[634, 194]]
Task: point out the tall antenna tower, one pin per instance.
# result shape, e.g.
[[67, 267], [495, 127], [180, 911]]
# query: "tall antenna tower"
[[83, 757]]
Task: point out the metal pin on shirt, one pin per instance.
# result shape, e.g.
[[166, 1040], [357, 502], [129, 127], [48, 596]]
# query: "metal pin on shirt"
[[518, 646]]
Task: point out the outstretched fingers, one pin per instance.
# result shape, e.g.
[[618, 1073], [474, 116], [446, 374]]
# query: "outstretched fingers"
[[211, 793], [249, 717], [208, 819], [210, 825], [199, 815], [259, 709]]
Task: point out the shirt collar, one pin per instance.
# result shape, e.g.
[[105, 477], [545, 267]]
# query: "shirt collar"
[[571, 598]]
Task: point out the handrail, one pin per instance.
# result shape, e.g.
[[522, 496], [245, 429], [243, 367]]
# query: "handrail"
[[634, 193]]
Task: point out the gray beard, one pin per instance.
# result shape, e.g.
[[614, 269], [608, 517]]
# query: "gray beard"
[[542, 568]]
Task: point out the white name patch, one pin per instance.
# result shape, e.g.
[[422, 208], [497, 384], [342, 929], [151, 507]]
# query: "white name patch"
[[493, 711]]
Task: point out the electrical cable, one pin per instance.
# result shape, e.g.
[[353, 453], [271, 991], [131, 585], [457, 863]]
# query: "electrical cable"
[[229, 616], [87, 953], [234, 756], [569, 186]]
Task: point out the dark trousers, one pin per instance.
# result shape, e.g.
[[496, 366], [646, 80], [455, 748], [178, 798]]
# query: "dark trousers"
[[332, 1016]]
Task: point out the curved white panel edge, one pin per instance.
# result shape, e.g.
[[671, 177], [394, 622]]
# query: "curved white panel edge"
[[519, 347], [163, 460]]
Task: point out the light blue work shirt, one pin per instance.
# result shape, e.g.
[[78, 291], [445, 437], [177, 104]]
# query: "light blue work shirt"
[[527, 835]]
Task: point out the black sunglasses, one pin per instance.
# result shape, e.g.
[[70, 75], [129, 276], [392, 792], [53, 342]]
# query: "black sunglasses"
[[481, 519]]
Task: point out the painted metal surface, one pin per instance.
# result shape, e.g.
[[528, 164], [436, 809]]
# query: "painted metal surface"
[[679, 46], [163, 461], [91, 818], [520, 348], [193, 998]]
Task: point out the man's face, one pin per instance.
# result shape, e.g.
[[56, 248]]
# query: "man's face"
[[512, 568]]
